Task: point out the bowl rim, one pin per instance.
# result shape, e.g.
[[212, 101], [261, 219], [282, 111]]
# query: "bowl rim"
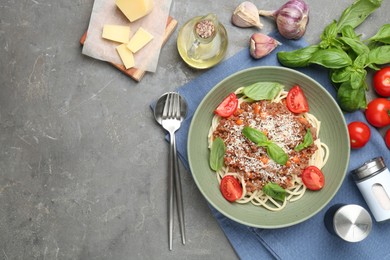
[[193, 127]]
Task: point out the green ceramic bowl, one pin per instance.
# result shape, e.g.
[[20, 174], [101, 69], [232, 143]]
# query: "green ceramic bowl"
[[333, 132]]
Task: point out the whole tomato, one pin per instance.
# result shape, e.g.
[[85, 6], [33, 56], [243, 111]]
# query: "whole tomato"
[[359, 134], [387, 138], [378, 112], [381, 82]]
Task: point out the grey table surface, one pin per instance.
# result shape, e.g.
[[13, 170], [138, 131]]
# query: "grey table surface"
[[83, 165]]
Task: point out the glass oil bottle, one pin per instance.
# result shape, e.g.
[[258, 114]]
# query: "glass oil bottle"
[[202, 41]]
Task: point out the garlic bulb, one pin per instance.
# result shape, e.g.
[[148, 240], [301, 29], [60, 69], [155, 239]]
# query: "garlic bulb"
[[261, 45], [291, 18], [246, 15]]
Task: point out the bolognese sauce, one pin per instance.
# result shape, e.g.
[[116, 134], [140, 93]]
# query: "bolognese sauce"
[[251, 161]]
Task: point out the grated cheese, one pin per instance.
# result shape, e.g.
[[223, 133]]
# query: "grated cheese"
[[281, 126]]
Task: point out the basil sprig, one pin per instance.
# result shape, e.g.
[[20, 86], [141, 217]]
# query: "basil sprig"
[[217, 153], [263, 90], [307, 141], [343, 52], [275, 152], [274, 191]]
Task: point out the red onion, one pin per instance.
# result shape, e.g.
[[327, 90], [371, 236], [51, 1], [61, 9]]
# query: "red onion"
[[291, 18]]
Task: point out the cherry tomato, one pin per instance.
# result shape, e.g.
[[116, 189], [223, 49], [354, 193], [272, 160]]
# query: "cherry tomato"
[[313, 178], [359, 134], [381, 82], [231, 188], [296, 100], [228, 106], [387, 138], [378, 112]]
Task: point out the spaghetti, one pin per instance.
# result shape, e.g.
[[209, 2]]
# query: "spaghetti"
[[250, 163]]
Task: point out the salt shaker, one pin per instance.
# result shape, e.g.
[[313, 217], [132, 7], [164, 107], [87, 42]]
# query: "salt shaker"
[[351, 223], [373, 181]]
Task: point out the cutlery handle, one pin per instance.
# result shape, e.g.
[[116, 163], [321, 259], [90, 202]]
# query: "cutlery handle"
[[179, 196], [171, 180]]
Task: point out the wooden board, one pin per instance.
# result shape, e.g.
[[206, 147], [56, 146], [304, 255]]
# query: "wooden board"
[[135, 73]]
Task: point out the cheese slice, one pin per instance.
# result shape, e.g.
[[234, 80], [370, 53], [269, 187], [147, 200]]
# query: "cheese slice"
[[139, 40], [116, 33], [126, 55], [135, 9]]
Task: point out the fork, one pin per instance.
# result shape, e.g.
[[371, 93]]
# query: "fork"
[[171, 121]]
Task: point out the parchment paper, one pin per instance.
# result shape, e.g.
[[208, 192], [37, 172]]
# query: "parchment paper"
[[106, 12]]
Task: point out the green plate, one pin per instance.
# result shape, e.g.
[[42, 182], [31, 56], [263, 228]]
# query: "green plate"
[[333, 132]]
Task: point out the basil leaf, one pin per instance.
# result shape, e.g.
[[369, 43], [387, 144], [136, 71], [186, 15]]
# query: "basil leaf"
[[373, 66], [351, 99], [383, 34], [254, 135], [307, 141], [329, 36], [360, 62], [357, 78], [331, 58], [373, 44], [217, 153], [356, 13], [297, 58], [276, 153], [341, 75], [356, 45], [274, 191], [330, 31], [263, 90], [379, 55], [349, 32]]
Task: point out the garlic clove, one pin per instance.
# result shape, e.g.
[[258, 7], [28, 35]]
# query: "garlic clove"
[[246, 15], [261, 45]]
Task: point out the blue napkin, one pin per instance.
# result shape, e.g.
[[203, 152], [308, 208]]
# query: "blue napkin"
[[310, 239]]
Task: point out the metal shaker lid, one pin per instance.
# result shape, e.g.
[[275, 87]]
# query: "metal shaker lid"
[[352, 223], [368, 168]]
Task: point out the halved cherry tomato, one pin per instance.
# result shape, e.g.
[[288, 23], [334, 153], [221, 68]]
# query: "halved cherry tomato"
[[231, 188], [387, 138], [313, 178], [378, 112], [227, 106], [359, 134], [381, 82], [296, 100]]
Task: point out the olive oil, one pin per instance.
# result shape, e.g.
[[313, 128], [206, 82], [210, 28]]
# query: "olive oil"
[[202, 41]]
